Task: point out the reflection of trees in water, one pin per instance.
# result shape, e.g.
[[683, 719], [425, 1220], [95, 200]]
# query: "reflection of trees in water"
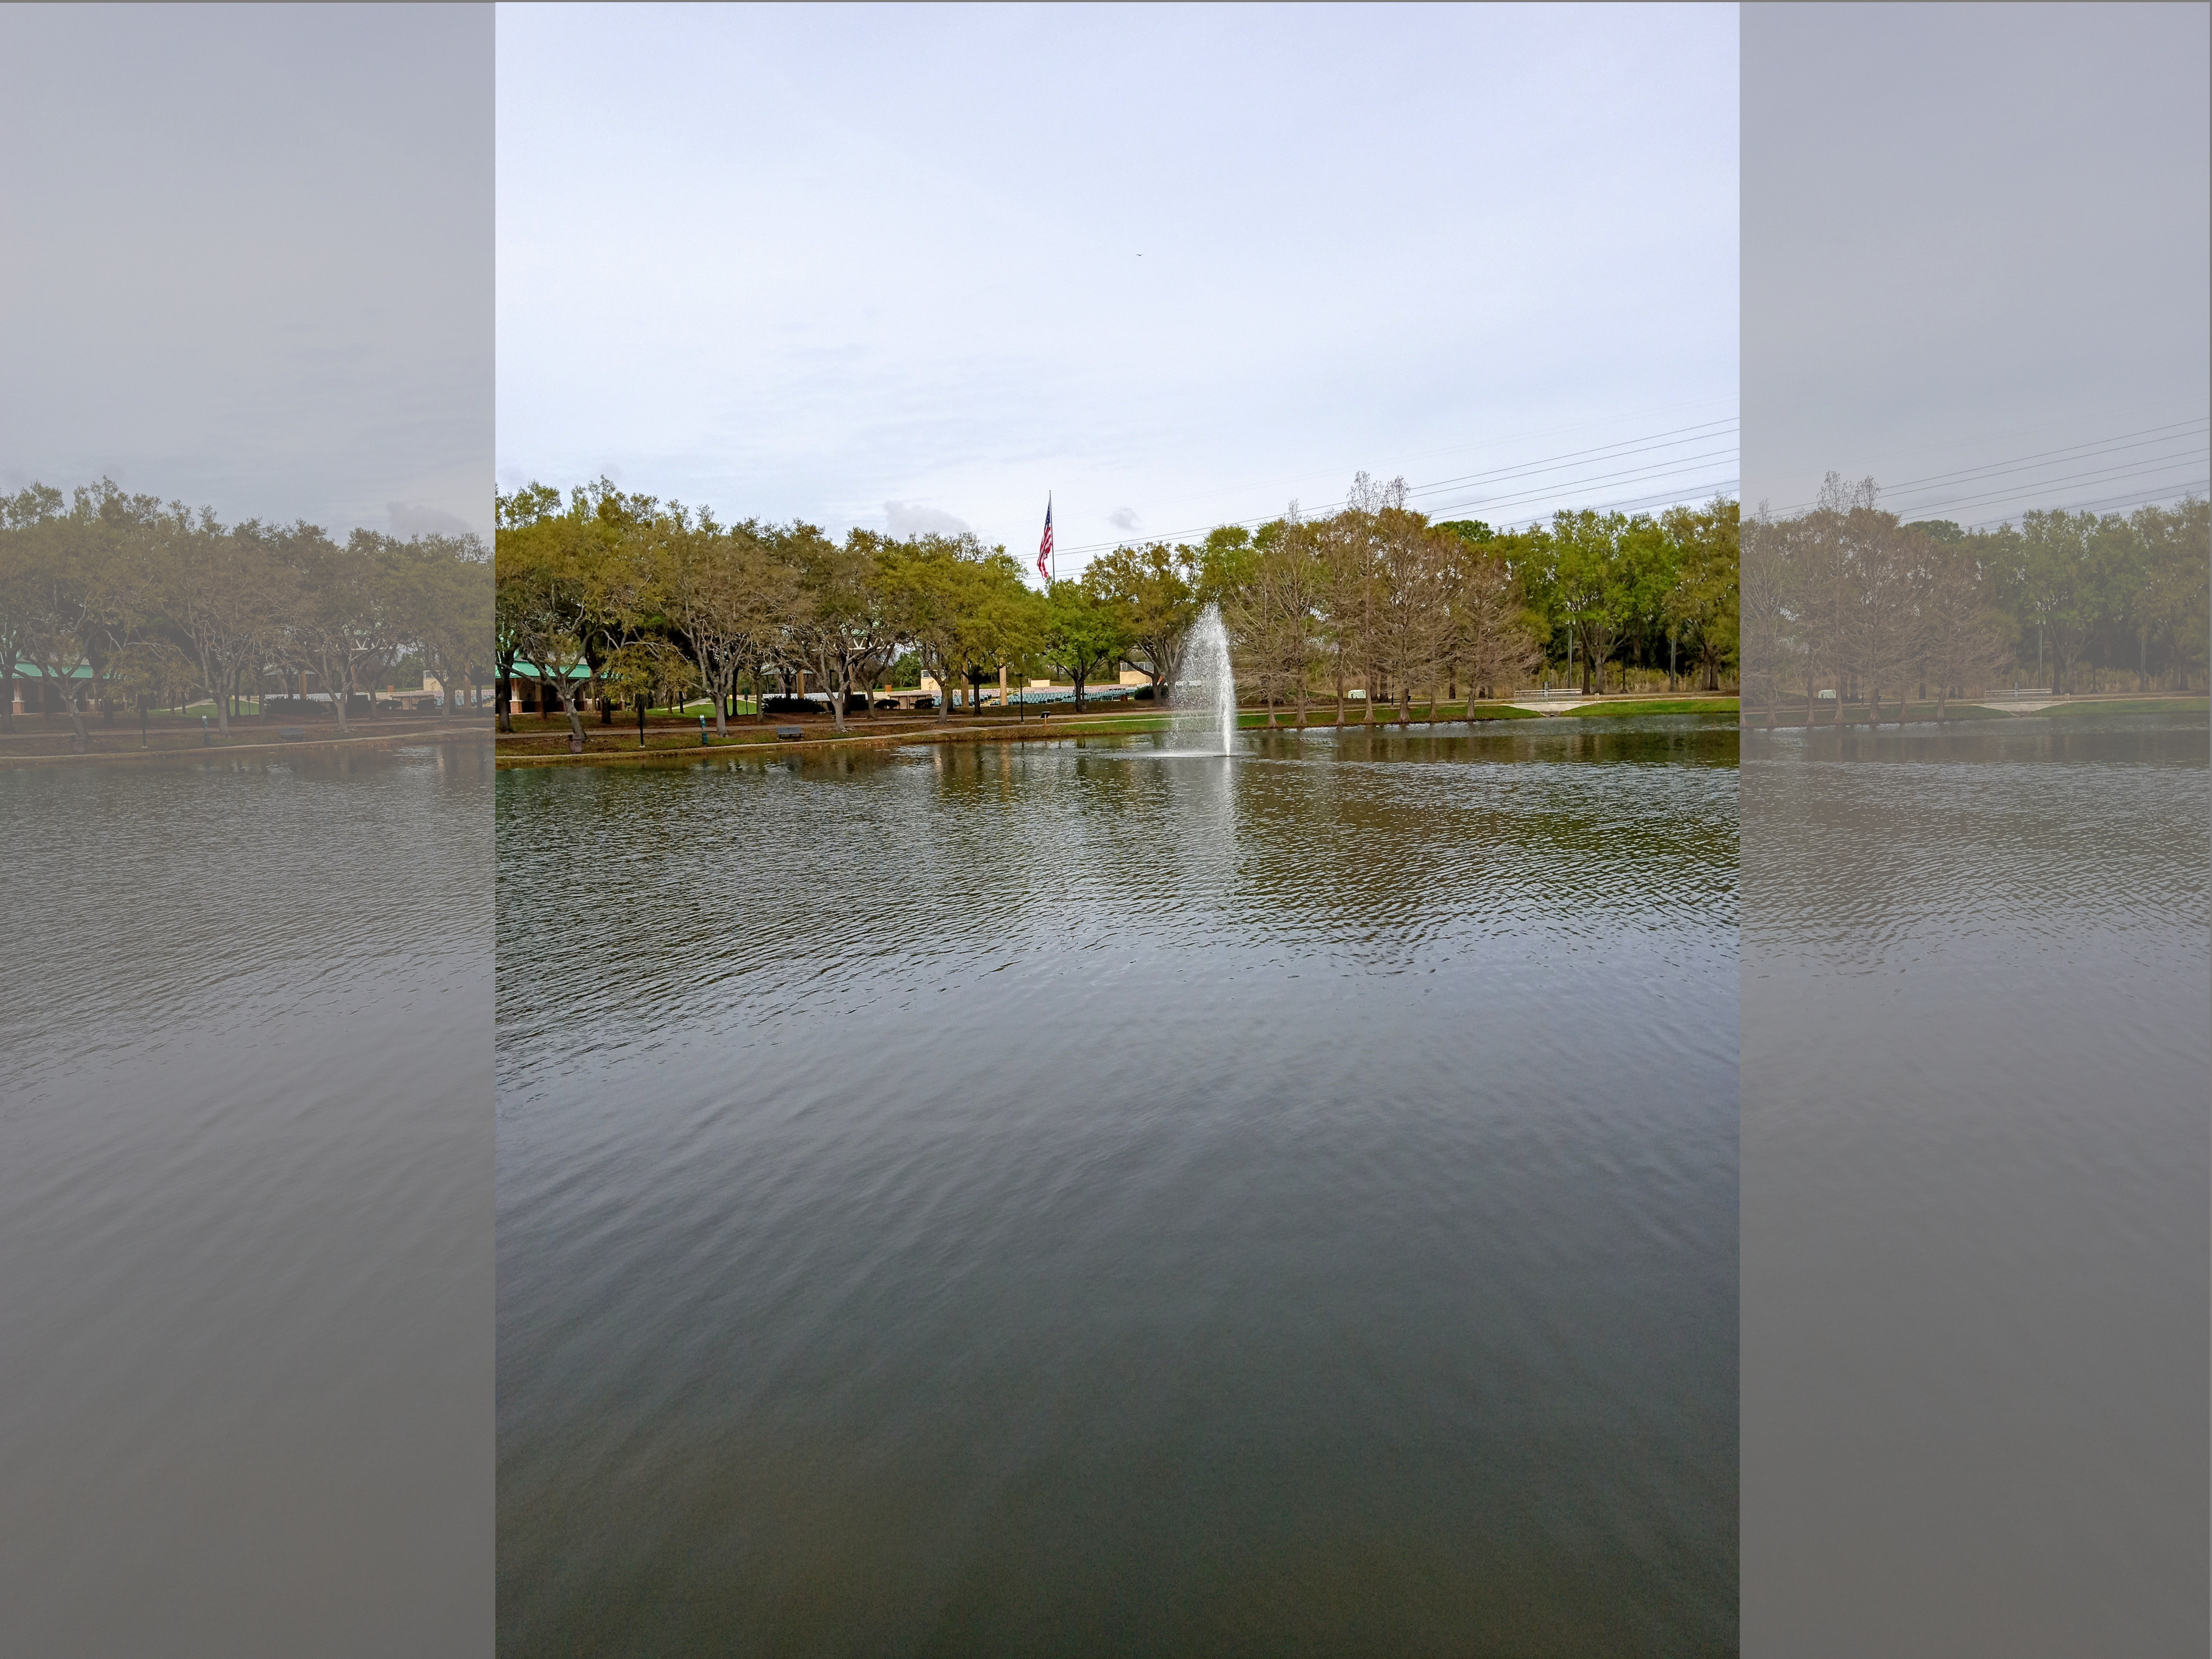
[[872, 872], [1938, 840]]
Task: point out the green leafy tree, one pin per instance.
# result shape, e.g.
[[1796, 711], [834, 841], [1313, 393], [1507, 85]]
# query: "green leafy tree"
[[1594, 576], [1702, 605], [1153, 591], [727, 595], [1081, 635], [2061, 587], [928, 583]]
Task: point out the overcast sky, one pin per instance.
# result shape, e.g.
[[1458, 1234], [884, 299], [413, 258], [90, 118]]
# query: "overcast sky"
[[247, 258], [1976, 254], [912, 268]]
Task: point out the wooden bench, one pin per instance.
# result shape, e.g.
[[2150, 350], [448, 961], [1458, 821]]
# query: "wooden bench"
[[790, 733]]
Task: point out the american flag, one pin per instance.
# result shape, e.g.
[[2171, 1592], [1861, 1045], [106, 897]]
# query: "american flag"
[[1044, 547]]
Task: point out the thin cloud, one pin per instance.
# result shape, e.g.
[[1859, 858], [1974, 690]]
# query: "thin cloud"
[[912, 519], [413, 518], [1123, 519]]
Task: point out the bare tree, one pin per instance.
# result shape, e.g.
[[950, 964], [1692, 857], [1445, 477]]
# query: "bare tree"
[[1412, 612], [1493, 640], [1271, 618], [1769, 640], [1882, 621]]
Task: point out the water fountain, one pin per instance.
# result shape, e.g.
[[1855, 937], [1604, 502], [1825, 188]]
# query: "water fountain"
[[1205, 718]]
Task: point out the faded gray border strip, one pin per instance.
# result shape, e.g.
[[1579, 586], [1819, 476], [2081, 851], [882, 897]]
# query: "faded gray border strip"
[[1976, 1088]]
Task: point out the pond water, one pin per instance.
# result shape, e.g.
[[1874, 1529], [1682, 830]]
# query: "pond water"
[[1978, 1189], [1053, 1198], [246, 1179]]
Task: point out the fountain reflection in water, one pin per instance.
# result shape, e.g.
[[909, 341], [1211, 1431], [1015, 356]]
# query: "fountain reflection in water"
[[1205, 719]]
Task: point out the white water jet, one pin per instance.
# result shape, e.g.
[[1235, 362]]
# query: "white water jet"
[[1205, 718]]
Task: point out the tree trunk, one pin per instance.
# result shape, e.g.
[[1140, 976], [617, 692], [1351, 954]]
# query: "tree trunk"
[[221, 703]]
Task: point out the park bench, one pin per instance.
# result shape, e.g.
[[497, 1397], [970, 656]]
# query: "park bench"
[[293, 733], [787, 733]]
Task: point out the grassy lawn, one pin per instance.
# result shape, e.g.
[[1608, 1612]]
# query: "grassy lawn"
[[539, 741], [45, 736], [1855, 714], [1658, 706], [2077, 711]]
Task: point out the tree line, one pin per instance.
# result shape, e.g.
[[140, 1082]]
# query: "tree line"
[[117, 600], [1846, 604], [609, 596]]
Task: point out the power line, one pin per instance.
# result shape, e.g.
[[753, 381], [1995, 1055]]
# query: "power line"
[[1460, 449], [1996, 469], [2095, 446], [1688, 464], [2110, 474], [1623, 449], [1664, 497], [2133, 498], [1533, 467]]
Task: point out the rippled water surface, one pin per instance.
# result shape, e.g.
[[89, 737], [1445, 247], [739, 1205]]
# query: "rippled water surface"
[[1977, 1188], [245, 1169], [1055, 1199]]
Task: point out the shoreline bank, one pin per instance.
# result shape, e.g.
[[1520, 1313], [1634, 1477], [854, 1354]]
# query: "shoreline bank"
[[197, 753], [685, 746]]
